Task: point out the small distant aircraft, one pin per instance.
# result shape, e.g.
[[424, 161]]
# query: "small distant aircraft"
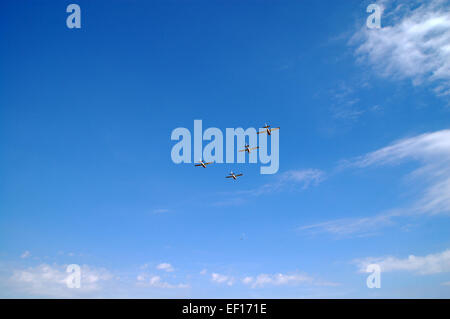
[[233, 176], [268, 129], [201, 163], [247, 149]]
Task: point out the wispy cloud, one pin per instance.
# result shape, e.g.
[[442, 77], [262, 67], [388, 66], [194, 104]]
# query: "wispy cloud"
[[413, 43], [165, 266], [345, 103], [288, 181], [423, 265], [293, 179], [25, 254], [432, 152], [359, 227], [304, 178]]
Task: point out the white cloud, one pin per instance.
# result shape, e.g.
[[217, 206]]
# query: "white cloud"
[[432, 152], [446, 283], [51, 281], [165, 266], [429, 264], [218, 278], [203, 272], [145, 280], [414, 45], [155, 281], [25, 254], [276, 279]]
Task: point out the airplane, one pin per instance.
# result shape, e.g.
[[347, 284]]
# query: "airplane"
[[203, 164], [247, 149], [268, 129], [233, 176]]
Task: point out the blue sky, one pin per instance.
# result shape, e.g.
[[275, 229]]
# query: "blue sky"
[[86, 175]]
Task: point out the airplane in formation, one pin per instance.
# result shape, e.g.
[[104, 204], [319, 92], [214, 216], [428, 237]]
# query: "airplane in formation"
[[233, 175], [268, 130], [203, 164], [248, 149]]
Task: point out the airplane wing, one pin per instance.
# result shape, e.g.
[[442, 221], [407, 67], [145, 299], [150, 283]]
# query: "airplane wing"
[[209, 163], [254, 148], [228, 176], [239, 175], [262, 132], [242, 150], [274, 129], [198, 164]]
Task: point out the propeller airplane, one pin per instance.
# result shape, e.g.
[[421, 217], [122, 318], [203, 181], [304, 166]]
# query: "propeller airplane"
[[203, 164], [233, 175], [248, 149], [268, 130]]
